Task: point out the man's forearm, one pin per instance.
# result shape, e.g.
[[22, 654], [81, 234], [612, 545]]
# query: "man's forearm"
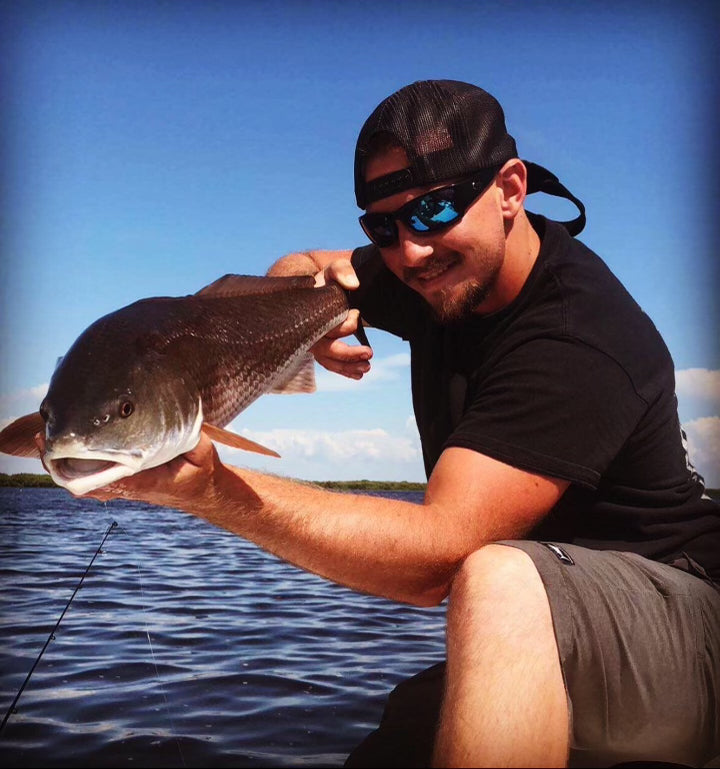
[[371, 544]]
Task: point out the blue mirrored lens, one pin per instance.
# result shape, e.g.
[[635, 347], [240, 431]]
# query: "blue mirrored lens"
[[431, 213]]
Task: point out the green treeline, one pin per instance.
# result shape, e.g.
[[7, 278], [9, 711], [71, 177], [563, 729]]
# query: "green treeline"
[[27, 480], [366, 485]]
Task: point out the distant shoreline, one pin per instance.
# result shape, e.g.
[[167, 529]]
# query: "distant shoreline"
[[35, 481]]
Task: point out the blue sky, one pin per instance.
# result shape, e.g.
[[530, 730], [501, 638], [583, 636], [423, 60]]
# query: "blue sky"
[[150, 147]]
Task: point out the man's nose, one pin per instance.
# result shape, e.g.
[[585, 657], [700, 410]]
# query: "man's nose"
[[413, 250]]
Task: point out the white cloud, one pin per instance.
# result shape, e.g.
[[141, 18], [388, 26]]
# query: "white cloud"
[[704, 448], [319, 455], [699, 386], [337, 447], [15, 404], [382, 370], [399, 360]]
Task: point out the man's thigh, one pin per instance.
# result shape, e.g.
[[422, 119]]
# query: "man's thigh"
[[639, 646]]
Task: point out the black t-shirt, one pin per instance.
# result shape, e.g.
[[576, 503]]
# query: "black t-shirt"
[[571, 380]]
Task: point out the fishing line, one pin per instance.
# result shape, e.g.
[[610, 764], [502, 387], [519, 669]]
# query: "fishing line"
[[154, 660], [51, 637]]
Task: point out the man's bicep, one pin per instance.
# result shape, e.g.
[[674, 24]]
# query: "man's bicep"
[[488, 499], [306, 262]]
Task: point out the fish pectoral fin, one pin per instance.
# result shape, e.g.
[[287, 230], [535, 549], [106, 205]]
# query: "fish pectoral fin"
[[18, 438], [236, 441], [300, 379], [245, 285]]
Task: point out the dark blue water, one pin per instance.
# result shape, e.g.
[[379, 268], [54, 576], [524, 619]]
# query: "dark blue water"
[[186, 646]]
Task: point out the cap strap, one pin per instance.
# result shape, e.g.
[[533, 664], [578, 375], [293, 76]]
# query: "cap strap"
[[542, 180]]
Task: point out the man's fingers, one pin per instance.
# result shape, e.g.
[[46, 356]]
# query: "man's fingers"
[[350, 370], [341, 358], [340, 271], [338, 350], [347, 327], [204, 454]]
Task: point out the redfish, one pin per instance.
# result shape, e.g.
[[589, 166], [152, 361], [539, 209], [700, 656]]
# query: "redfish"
[[139, 385]]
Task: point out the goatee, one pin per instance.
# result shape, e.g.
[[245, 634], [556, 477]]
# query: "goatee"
[[458, 303]]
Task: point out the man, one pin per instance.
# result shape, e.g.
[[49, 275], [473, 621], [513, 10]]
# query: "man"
[[562, 516]]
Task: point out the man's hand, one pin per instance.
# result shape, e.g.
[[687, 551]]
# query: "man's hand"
[[349, 360]]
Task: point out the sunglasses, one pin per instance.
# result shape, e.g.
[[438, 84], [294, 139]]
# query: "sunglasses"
[[429, 213]]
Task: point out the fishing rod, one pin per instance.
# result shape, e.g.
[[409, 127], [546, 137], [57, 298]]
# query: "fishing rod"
[[51, 637]]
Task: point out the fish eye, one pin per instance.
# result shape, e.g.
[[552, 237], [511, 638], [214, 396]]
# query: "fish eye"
[[126, 408]]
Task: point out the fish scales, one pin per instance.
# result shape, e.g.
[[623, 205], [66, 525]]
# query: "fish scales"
[[246, 361], [227, 349]]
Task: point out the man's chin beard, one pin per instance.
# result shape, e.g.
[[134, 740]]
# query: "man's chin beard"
[[459, 304]]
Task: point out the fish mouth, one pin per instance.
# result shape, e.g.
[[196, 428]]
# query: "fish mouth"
[[81, 471], [77, 468]]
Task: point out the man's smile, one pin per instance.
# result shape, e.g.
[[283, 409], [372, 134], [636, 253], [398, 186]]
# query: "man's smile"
[[434, 272]]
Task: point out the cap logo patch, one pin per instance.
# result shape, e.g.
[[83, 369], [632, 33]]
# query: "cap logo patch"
[[385, 186]]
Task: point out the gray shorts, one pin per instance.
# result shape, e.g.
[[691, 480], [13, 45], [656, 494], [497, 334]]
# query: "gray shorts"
[[639, 645]]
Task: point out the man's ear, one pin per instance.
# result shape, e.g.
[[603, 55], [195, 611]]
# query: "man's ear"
[[512, 180]]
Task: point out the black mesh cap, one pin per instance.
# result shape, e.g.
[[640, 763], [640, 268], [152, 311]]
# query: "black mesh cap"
[[447, 128]]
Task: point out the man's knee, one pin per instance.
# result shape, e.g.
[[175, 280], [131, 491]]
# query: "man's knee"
[[498, 593], [505, 690], [496, 572]]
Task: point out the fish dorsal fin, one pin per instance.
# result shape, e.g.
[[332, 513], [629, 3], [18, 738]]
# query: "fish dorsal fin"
[[236, 441], [300, 378], [18, 438], [244, 285]]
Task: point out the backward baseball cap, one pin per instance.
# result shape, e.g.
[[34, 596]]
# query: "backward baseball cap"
[[448, 130]]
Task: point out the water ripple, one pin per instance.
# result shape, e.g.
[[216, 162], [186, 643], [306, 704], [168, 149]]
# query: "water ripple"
[[186, 646]]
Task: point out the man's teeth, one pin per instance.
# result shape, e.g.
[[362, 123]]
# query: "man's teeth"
[[434, 272]]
